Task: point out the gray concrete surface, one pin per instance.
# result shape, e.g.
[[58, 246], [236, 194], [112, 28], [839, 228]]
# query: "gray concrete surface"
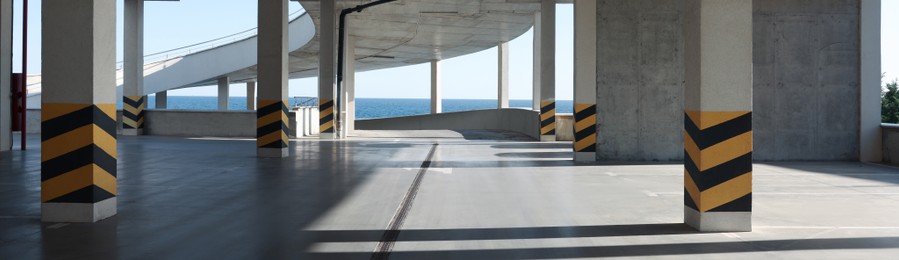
[[564, 127], [640, 73], [512, 119], [189, 198]]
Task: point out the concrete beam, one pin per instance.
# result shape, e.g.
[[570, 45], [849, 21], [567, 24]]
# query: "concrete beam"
[[272, 122], [134, 100], [327, 69], [870, 138], [251, 95], [502, 84], [5, 75], [162, 100], [584, 145], [224, 84], [78, 78], [548, 70], [718, 104], [436, 88]]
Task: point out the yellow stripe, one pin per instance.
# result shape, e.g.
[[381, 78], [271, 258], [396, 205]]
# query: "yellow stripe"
[[66, 143], [726, 192], [724, 151], [77, 179], [580, 107], [133, 110], [547, 115], [326, 112], [51, 111], [108, 109], [584, 143], [706, 119], [105, 142], [270, 118], [267, 102], [692, 189], [271, 137], [546, 103], [692, 149], [587, 122], [548, 128], [129, 122], [326, 126]]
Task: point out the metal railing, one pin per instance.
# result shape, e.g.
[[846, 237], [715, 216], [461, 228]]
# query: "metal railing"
[[305, 102]]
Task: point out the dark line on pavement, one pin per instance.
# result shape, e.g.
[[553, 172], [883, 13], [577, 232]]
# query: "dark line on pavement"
[[382, 251]]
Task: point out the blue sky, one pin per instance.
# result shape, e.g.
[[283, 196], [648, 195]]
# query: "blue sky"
[[170, 25]]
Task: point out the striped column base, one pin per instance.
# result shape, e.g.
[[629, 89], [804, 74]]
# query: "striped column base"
[[584, 132], [548, 120], [718, 170], [78, 162], [272, 128], [326, 119], [133, 114]]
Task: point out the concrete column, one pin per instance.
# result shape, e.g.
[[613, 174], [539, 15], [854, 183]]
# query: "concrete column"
[[538, 31], [162, 100], [436, 89], [271, 117], [348, 110], [5, 75], [327, 69], [502, 77], [548, 70], [223, 86], [718, 120], [870, 143], [251, 95], [134, 101], [585, 80], [78, 101]]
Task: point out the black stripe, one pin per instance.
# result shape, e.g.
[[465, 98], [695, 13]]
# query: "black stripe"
[[550, 132], [326, 119], [326, 105], [688, 201], [584, 114], [742, 204], [130, 115], [89, 194], [275, 144], [76, 159], [104, 122], [718, 133], [547, 122], [547, 108], [718, 174], [589, 148], [66, 123], [271, 128], [133, 103], [272, 108], [580, 135]]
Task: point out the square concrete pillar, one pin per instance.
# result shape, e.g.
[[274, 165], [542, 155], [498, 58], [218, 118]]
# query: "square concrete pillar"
[[251, 95], [162, 100], [870, 139], [327, 69], [548, 70], [718, 120], [584, 145], [502, 77], [134, 101], [224, 84], [536, 48], [436, 88], [348, 102], [5, 74], [271, 117], [78, 115]]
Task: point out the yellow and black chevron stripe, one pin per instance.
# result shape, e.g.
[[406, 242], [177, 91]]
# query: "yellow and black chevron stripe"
[[718, 161], [78, 153], [326, 115], [133, 112], [547, 117], [271, 124], [584, 128]]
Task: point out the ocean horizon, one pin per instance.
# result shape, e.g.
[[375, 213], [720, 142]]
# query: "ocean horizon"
[[366, 108]]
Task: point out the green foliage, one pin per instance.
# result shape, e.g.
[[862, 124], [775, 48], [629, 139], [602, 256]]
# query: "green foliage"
[[889, 105]]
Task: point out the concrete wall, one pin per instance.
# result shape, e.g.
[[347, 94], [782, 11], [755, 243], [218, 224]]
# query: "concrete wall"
[[564, 127], [640, 79], [202, 123], [805, 85], [890, 134], [806, 80], [511, 119]]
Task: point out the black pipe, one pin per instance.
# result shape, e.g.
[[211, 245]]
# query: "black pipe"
[[340, 54]]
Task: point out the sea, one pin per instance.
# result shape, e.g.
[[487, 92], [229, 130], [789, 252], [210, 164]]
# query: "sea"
[[366, 108]]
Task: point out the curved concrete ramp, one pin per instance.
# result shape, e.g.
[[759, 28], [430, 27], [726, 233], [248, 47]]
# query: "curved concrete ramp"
[[522, 121]]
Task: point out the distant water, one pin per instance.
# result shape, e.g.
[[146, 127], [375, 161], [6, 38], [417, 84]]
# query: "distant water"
[[365, 107]]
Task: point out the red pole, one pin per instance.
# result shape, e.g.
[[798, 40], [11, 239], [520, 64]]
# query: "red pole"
[[24, 69]]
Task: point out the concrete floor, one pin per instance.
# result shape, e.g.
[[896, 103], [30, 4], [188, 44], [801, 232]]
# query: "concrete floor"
[[207, 198]]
